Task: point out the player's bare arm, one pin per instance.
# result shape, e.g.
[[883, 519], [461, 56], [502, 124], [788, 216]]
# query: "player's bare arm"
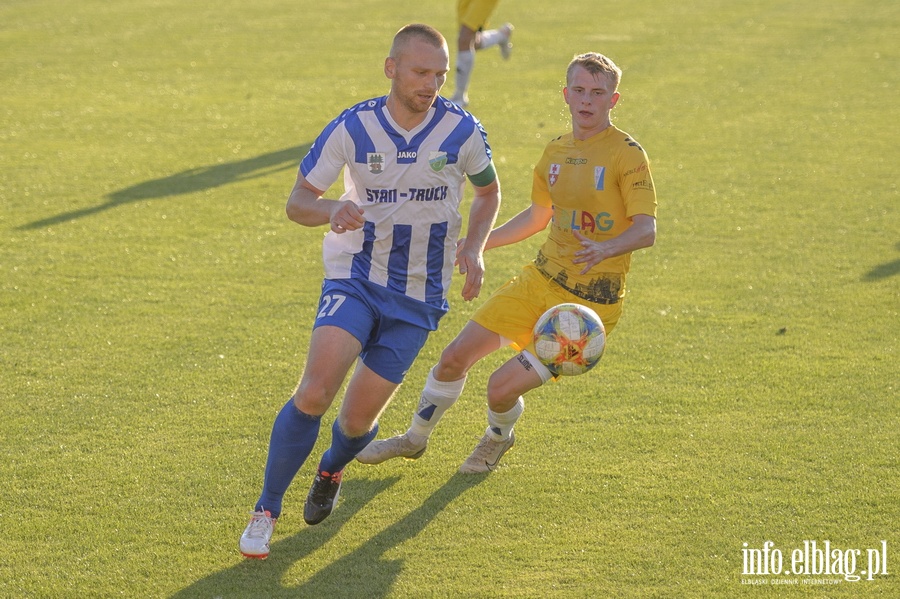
[[641, 234], [528, 222], [307, 207], [470, 253]]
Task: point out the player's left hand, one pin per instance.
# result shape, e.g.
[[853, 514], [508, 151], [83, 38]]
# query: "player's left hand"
[[590, 254]]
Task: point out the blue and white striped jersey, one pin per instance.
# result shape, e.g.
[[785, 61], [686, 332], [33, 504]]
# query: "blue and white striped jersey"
[[409, 185]]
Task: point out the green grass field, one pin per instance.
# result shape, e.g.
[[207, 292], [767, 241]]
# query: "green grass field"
[[156, 306]]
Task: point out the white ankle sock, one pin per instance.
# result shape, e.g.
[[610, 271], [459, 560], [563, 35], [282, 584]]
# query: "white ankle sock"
[[465, 63], [500, 426], [436, 398]]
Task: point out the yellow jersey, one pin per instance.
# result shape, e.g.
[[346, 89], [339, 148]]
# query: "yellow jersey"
[[595, 186]]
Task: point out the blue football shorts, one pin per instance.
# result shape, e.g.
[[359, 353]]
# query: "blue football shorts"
[[391, 327]]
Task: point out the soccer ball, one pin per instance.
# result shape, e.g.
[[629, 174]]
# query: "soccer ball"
[[569, 339]]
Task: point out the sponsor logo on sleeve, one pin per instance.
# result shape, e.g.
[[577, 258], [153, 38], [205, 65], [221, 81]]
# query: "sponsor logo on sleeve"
[[554, 173]]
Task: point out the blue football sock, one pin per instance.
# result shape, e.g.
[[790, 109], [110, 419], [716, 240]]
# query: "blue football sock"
[[293, 436], [343, 448]]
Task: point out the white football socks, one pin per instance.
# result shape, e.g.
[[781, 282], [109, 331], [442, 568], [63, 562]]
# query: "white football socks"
[[492, 37], [500, 426], [436, 398], [465, 62]]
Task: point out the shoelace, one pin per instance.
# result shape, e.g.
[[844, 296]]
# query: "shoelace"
[[483, 451], [323, 485], [260, 524]]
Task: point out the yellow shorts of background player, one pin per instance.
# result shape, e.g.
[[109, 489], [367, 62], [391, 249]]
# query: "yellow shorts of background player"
[[474, 13], [514, 309]]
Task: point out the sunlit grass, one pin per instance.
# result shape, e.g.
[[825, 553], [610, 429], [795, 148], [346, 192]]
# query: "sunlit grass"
[[156, 306]]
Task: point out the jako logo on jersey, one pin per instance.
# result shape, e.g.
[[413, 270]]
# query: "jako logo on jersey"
[[579, 220], [554, 173], [376, 162], [599, 172], [437, 160], [406, 155]]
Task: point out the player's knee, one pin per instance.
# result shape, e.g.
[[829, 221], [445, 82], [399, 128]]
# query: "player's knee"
[[502, 395], [354, 425], [454, 364], [466, 39], [312, 399]]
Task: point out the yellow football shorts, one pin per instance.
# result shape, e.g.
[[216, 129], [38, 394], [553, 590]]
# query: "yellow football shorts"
[[474, 13], [514, 309]]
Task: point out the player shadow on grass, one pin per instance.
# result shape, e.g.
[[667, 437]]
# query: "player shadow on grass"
[[189, 181], [363, 568], [883, 271]]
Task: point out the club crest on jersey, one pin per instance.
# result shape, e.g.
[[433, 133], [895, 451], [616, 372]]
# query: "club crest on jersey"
[[437, 160], [554, 173], [375, 161], [599, 172]]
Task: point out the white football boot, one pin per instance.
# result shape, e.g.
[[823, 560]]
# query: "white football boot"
[[506, 45], [396, 447], [461, 101], [486, 455], [255, 540]]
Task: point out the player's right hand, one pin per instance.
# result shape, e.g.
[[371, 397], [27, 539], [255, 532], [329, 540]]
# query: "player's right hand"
[[347, 216], [472, 266], [459, 246]]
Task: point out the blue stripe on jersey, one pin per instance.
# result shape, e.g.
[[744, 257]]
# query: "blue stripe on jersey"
[[361, 140], [399, 140], [407, 152], [413, 146], [434, 277], [315, 150], [459, 135], [364, 143], [398, 263], [362, 260]]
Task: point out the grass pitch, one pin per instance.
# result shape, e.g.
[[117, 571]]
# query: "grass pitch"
[[156, 308]]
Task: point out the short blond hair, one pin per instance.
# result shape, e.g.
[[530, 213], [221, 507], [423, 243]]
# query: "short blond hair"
[[426, 33], [595, 64]]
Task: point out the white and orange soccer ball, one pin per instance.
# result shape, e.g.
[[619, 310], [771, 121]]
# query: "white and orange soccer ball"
[[569, 339]]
